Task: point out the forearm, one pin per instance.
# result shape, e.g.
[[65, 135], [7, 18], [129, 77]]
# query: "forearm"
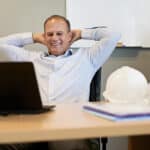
[[76, 35], [98, 34], [35, 37], [19, 40], [39, 38]]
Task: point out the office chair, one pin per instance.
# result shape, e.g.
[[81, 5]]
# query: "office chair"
[[95, 95]]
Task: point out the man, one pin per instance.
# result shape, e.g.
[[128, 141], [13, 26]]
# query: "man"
[[64, 74]]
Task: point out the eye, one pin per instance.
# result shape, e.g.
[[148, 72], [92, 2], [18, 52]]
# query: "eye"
[[59, 33], [50, 34]]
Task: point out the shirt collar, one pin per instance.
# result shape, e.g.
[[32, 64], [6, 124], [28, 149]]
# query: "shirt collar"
[[66, 54]]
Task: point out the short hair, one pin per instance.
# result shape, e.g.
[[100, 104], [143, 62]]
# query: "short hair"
[[58, 17]]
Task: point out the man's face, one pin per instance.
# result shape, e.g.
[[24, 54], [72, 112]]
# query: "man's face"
[[57, 36]]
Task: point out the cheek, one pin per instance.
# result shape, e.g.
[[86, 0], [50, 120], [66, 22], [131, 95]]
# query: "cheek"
[[67, 39]]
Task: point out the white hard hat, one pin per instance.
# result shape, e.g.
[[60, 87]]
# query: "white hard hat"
[[126, 85]]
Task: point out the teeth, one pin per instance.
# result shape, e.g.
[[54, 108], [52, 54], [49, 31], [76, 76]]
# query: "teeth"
[[55, 44]]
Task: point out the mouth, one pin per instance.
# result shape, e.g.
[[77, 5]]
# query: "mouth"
[[55, 47], [55, 44]]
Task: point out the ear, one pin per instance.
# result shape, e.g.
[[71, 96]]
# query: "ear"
[[70, 36]]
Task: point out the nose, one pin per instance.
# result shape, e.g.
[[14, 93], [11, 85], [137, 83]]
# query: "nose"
[[54, 37]]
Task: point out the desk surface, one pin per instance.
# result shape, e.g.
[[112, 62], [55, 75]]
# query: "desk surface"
[[67, 121]]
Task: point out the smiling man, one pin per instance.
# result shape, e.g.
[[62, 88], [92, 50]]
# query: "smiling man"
[[64, 74], [57, 35]]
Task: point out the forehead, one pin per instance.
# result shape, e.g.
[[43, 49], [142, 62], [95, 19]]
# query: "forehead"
[[56, 25]]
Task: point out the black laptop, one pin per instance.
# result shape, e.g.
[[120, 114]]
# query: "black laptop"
[[19, 92]]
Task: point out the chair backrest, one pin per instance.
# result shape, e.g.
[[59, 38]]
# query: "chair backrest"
[[95, 87], [95, 95]]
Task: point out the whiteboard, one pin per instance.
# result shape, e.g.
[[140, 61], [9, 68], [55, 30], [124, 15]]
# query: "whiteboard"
[[129, 17]]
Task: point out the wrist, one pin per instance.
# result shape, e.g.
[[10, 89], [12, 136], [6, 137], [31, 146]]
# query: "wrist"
[[34, 37], [79, 34]]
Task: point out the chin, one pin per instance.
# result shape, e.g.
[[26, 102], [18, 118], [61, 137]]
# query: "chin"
[[56, 52]]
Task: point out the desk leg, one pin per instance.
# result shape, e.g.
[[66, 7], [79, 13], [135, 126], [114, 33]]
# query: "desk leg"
[[139, 142]]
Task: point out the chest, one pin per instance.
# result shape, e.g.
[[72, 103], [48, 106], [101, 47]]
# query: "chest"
[[64, 70]]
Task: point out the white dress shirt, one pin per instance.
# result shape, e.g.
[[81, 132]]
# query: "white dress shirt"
[[64, 78]]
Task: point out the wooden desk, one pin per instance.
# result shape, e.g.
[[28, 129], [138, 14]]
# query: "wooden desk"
[[67, 121]]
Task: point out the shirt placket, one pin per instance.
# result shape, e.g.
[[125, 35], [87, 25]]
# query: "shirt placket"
[[51, 84]]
